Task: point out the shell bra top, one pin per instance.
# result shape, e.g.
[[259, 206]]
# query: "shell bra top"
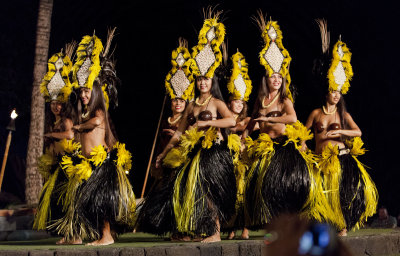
[[319, 127], [204, 115], [275, 113]]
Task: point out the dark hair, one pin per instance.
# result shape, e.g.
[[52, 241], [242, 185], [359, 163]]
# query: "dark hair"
[[215, 90], [263, 91], [243, 113], [50, 118], [97, 103]]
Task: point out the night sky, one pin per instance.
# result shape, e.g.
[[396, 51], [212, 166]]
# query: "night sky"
[[147, 33]]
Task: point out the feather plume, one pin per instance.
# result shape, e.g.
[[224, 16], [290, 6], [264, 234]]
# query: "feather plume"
[[110, 36], [325, 34], [260, 20], [183, 42], [70, 49]]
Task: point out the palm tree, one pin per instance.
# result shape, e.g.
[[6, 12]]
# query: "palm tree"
[[33, 182]]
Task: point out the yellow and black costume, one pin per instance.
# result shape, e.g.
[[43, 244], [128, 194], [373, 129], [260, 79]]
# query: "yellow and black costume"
[[350, 191], [239, 87], [282, 177], [156, 213], [55, 86], [98, 189], [204, 187]]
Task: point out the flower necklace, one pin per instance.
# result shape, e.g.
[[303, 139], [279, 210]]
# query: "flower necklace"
[[85, 114], [328, 113], [204, 103], [272, 102], [175, 121]]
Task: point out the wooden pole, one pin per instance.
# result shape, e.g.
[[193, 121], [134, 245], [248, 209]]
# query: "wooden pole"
[[152, 149], [3, 165]]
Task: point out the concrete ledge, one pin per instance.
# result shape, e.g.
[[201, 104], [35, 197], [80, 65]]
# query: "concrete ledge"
[[371, 245]]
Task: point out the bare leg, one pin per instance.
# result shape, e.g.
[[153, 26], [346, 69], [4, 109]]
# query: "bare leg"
[[63, 241], [245, 234], [106, 237], [231, 235], [343, 232], [217, 235]]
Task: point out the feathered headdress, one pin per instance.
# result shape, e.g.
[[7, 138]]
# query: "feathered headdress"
[[87, 65], [274, 57], [56, 84], [239, 85], [93, 62], [340, 71], [206, 54], [179, 82]]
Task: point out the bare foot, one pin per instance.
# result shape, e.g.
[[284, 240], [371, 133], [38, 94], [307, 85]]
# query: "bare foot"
[[212, 239], [231, 235], [245, 234], [105, 240], [343, 232], [63, 241], [180, 238]]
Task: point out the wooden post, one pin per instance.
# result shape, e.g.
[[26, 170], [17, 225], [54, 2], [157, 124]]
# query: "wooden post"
[[3, 165], [152, 149]]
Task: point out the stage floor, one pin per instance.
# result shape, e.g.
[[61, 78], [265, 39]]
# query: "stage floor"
[[361, 242]]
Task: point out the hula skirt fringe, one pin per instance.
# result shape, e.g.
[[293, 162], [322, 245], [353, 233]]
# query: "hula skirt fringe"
[[283, 179], [349, 189], [205, 188], [155, 213], [50, 207], [98, 190]]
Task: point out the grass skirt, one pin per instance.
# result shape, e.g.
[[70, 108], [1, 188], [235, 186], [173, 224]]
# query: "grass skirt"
[[98, 190], [350, 191], [205, 187]]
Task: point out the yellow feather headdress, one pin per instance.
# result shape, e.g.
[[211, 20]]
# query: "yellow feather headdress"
[[55, 84], [274, 57], [179, 81], [87, 66], [239, 85], [340, 72], [206, 54]]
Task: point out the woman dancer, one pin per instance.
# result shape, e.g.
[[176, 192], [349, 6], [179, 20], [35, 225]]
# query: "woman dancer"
[[281, 176], [239, 87], [105, 202], [351, 193], [156, 213], [56, 89], [204, 188]]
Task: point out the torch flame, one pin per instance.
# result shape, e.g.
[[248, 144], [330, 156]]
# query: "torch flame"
[[14, 114]]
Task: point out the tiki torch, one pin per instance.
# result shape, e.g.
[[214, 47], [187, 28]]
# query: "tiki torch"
[[10, 128]]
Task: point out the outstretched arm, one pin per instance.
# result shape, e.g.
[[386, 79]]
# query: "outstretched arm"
[[226, 121], [289, 118], [67, 134], [353, 130], [175, 138], [92, 123]]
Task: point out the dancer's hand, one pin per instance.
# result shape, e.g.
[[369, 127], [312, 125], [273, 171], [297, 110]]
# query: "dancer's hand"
[[333, 133], [159, 159], [169, 131], [202, 124], [262, 119], [76, 128]]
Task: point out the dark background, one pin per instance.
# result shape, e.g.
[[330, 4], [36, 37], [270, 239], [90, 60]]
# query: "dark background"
[[147, 33]]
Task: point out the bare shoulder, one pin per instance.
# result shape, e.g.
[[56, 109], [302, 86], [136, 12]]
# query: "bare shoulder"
[[287, 102], [217, 102], [68, 122], [99, 112]]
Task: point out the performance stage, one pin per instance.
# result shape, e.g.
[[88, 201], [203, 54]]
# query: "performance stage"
[[363, 242]]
